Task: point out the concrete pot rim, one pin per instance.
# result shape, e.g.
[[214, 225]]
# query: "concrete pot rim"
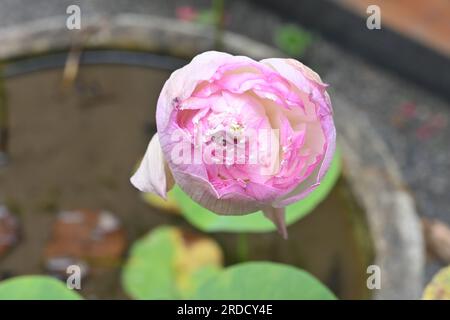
[[123, 31], [368, 164]]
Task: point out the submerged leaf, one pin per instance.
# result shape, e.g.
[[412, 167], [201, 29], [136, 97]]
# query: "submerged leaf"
[[170, 264]]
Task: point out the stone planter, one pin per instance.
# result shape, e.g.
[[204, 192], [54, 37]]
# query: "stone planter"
[[371, 171]]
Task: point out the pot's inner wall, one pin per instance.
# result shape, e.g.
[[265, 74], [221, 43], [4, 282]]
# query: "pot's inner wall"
[[76, 148]]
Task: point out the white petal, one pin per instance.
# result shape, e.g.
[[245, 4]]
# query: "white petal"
[[153, 175]]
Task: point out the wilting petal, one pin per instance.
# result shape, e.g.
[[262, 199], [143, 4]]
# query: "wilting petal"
[[277, 216], [153, 175]]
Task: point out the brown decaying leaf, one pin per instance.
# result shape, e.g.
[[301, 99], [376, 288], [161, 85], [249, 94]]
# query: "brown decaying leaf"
[[92, 238], [9, 230]]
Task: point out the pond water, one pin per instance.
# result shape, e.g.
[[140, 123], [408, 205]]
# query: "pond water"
[[76, 147]]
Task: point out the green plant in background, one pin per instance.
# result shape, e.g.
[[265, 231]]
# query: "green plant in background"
[[164, 266], [292, 39], [215, 17], [208, 221], [36, 288]]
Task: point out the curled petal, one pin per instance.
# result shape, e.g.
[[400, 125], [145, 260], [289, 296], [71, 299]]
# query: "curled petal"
[[277, 216], [153, 175], [194, 180], [313, 181], [304, 79], [183, 82], [296, 72], [310, 82], [201, 191]]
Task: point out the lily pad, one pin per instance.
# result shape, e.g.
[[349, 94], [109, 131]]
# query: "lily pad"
[[263, 281], [36, 288], [208, 221], [170, 264]]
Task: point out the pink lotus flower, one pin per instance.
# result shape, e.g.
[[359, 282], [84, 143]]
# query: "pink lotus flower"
[[240, 136]]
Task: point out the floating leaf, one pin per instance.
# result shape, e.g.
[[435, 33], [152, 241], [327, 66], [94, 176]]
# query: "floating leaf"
[[263, 281], [36, 288], [170, 264], [439, 287], [292, 39], [208, 221]]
